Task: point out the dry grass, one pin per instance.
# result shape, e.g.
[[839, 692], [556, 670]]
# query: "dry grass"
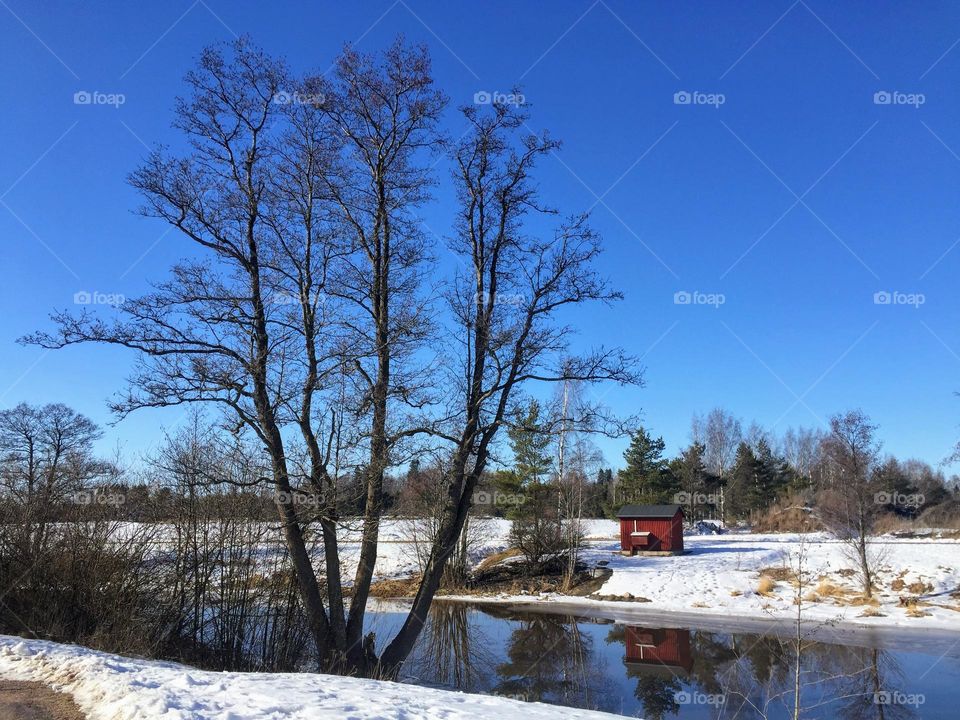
[[700, 604], [766, 586], [862, 600], [898, 584], [825, 588], [890, 523], [404, 587], [788, 515], [626, 597], [780, 574], [920, 588], [496, 558], [871, 612], [736, 593], [915, 611]]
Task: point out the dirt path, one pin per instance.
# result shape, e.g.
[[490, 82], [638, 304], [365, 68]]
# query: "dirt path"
[[35, 701]]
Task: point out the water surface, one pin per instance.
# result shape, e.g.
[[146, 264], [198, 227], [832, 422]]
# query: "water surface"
[[646, 669]]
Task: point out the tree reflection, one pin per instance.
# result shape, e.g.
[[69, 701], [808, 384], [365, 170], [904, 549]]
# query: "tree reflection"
[[877, 692], [452, 650], [549, 659], [756, 676], [553, 659]]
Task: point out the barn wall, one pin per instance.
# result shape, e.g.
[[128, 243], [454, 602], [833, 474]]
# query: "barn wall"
[[668, 532], [678, 532]]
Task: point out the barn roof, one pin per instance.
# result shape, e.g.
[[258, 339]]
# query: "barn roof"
[[648, 511]]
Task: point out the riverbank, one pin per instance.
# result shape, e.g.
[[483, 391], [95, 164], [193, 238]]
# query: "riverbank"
[[917, 583], [113, 687]]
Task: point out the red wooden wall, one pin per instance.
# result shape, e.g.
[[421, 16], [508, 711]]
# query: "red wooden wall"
[[666, 533]]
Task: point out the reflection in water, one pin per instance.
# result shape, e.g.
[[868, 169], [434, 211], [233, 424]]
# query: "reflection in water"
[[834, 680], [452, 651], [549, 659], [655, 672], [658, 658]]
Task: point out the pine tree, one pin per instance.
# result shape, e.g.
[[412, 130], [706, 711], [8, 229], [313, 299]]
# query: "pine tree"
[[646, 478], [692, 477], [529, 442], [772, 476], [741, 482]]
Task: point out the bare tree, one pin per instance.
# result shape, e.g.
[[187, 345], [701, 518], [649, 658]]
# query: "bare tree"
[[801, 449], [301, 317], [720, 433], [577, 458], [387, 112], [849, 505], [214, 332], [46, 460], [505, 304]]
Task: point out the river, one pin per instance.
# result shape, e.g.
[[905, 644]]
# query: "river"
[[652, 667]]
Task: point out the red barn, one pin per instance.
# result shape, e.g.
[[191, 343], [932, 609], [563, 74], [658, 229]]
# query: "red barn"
[[666, 648], [653, 529]]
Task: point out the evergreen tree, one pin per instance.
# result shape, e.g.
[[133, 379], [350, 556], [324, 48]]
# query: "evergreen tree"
[[646, 478], [740, 483], [692, 479], [529, 442], [773, 476]]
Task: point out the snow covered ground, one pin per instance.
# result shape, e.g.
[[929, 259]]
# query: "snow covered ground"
[[720, 576], [112, 687], [396, 554]]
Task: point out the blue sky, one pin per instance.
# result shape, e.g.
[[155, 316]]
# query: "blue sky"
[[787, 186]]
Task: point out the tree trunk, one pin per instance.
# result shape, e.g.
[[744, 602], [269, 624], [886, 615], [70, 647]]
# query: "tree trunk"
[[454, 520]]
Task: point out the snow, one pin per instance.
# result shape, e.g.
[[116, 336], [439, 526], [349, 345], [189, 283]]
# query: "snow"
[[717, 580], [112, 687], [719, 577]]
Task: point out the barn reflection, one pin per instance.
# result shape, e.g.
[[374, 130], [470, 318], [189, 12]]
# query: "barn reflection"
[[654, 672], [665, 651]]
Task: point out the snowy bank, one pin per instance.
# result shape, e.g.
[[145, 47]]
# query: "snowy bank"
[[113, 687], [720, 577]]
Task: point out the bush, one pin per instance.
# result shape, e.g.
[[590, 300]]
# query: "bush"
[[536, 530]]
